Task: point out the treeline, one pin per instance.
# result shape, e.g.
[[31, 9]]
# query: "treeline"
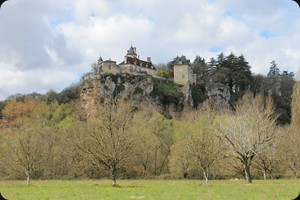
[[235, 72], [43, 140], [68, 95]]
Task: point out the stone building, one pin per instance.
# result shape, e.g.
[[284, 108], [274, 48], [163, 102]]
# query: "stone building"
[[132, 63], [108, 66], [183, 73]]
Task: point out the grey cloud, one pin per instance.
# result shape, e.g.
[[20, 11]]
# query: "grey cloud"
[[61, 38]]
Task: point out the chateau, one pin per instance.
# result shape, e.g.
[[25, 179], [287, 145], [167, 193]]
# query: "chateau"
[[133, 65], [130, 65], [138, 79]]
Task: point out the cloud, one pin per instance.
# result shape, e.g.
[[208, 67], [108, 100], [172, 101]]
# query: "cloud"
[[50, 44]]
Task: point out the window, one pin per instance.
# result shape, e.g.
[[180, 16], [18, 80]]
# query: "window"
[[109, 67], [182, 75]]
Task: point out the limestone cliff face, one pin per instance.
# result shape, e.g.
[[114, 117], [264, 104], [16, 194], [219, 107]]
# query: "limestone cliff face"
[[151, 93], [146, 92]]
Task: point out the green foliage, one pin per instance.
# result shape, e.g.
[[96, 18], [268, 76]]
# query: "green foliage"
[[169, 90], [51, 96], [119, 88], [232, 71], [163, 73], [283, 108], [2, 105], [201, 69], [138, 90], [280, 87], [168, 93], [69, 94], [61, 112], [115, 78], [198, 94]]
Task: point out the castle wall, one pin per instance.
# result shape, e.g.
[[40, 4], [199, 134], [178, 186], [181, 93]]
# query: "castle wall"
[[128, 68], [109, 67], [148, 70], [132, 69]]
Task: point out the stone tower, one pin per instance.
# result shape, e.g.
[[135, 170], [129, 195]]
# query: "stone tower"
[[183, 73]]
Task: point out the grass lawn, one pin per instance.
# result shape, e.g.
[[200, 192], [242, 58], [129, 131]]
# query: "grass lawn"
[[150, 189]]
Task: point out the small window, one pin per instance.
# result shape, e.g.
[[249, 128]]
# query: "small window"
[[109, 67], [182, 75]]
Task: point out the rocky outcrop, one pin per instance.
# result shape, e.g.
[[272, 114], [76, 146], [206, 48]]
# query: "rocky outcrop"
[[148, 92], [145, 91], [219, 93]]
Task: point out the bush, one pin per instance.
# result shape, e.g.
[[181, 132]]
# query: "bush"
[[163, 73]]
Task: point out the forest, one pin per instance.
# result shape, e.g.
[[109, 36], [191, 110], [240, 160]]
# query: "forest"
[[47, 136]]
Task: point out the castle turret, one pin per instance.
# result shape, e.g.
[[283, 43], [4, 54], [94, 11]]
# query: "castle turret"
[[132, 52], [100, 60]]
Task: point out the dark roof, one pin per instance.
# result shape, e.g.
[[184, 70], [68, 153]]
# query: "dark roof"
[[109, 61], [136, 61], [131, 51], [182, 61], [100, 59]]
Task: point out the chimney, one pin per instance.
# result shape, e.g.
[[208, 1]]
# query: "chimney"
[[149, 59]]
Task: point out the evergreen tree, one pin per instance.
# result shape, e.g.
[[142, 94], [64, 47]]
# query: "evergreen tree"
[[274, 78], [234, 72]]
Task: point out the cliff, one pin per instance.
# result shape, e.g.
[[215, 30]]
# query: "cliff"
[[146, 92]]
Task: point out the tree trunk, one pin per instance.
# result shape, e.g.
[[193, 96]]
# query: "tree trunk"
[[155, 160], [144, 169], [294, 171], [113, 175], [163, 164], [206, 177], [185, 174], [265, 174], [27, 177], [247, 173]]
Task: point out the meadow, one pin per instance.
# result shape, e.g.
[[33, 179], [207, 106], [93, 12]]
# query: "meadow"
[[150, 189]]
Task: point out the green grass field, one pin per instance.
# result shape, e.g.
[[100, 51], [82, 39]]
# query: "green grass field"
[[150, 189]]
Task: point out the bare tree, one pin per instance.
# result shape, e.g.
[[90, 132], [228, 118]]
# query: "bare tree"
[[95, 68], [250, 130], [266, 162], [295, 107], [145, 148], [203, 145], [180, 161], [290, 145], [162, 129], [30, 144], [108, 139], [31, 147]]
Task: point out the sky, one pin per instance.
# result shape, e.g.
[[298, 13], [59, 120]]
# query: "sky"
[[48, 45]]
